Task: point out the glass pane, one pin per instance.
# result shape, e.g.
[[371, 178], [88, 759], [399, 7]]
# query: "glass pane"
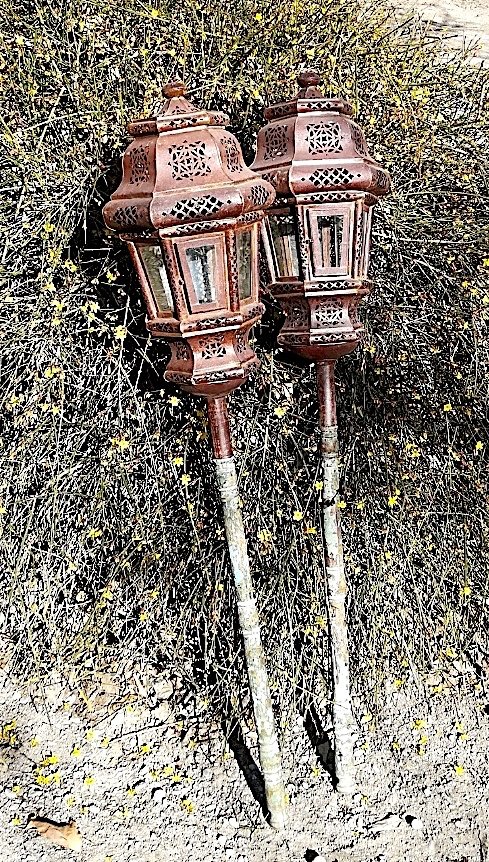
[[155, 270], [285, 244], [243, 252], [330, 235], [202, 264]]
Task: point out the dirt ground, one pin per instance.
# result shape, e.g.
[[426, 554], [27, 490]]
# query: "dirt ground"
[[457, 22], [143, 782]]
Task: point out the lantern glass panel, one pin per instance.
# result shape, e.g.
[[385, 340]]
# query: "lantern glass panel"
[[202, 265], [330, 230], [367, 224], [243, 253], [156, 274], [284, 239]]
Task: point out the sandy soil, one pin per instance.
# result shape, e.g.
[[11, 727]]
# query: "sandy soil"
[[145, 783], [456, 22]]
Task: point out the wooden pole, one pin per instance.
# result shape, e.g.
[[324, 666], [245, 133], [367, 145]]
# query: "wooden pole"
[[248, 615], [343, 724]]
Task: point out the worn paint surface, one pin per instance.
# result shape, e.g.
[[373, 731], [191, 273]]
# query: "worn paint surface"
[[343, 723], [270, 758]]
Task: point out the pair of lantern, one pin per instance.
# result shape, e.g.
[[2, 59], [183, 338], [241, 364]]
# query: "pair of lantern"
[[193, 215]]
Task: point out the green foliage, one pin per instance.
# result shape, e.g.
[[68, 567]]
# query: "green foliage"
[[104, 549]]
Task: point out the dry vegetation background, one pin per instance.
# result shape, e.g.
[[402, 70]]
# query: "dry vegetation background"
[[109, 541]]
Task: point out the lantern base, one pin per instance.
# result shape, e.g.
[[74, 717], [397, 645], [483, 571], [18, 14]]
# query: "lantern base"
[[316, 351]]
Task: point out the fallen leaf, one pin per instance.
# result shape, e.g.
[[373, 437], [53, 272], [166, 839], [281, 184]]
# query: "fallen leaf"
[[389, 822], [62, 834]]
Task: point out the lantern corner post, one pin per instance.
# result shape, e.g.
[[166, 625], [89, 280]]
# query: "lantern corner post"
[[343, 722], [270, 757]]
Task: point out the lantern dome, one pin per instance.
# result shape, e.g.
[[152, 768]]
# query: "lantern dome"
[[183, 167], [310, 129]]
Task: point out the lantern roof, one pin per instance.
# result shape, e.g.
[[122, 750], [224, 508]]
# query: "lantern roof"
[[184, 171], [311, 148]]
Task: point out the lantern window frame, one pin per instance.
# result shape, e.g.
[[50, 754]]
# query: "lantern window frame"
[[270, 248], [216, 240], [344, 210], [252, 230]]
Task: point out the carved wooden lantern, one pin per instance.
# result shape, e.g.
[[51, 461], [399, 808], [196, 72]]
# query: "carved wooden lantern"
[[317, 240], [190, 210], [317, 235]]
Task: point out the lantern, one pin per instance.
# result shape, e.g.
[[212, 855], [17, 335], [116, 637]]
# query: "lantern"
[[316, 241], [190, 210]]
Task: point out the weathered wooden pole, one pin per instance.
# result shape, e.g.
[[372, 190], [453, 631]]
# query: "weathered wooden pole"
[[343, 723], [247, 611]]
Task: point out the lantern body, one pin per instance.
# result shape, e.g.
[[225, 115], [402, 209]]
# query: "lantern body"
[[190, 209], [317, 234]]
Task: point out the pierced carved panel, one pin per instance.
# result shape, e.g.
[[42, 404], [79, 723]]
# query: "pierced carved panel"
[[333, 337], [189, 160], [359, 141], [324, 138], [381, 180], [124, 216], [241, 341], [233, 156], [276, 142], [258, 195], [212, 347], [182, 350], [329, 312], [195, 207], [297, 313], [139, 165], [332, 177]]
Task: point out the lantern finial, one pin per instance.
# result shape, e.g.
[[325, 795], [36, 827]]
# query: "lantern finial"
[[309, 81], [174, 89]]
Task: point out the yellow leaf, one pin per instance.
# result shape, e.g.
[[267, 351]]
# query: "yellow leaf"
[[51, 371], [121, 443]]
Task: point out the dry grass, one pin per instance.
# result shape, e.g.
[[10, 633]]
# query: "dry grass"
[[104, 551]]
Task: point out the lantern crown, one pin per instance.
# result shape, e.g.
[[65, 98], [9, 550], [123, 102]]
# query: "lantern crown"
[[183, 167], [312, 128]]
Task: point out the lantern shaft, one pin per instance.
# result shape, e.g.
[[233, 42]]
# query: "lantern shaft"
[[247, 612], [336, 582]]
